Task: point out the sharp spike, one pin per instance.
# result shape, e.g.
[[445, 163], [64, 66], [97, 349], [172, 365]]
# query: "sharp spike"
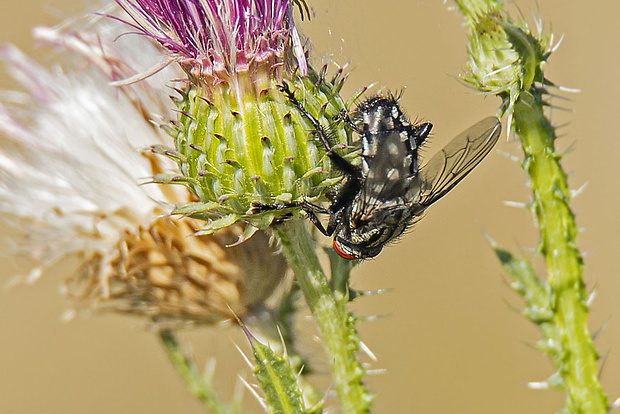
[[376, 371], [515, 204], [591, 298], [367, 351], [260, 399], [245, 357], [577, 192]]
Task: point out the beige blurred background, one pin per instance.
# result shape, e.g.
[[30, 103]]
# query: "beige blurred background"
[[451, 340]]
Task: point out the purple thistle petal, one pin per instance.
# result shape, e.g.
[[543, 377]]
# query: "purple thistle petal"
[[208, 37]]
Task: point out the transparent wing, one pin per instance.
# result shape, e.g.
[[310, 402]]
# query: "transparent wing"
[[450, 165]]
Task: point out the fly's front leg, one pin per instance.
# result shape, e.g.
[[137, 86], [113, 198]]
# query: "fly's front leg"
[[344, 116], [311, 211], [338, 161], [354, 175], [258, 207]]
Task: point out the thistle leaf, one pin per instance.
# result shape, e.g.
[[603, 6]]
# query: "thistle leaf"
[[276, 378]]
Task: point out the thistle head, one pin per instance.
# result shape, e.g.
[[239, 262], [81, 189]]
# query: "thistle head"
[[238, 140]]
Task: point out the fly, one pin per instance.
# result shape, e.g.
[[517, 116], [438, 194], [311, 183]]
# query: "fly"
[[389, 191]]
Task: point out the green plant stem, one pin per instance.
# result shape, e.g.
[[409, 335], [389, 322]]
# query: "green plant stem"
[[329, 310], [197, 384], [576, 361]]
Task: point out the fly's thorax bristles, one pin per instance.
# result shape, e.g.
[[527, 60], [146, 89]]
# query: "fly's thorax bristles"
[[381, 114]]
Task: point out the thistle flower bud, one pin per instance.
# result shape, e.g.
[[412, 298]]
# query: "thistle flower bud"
[[504, 57], [491, 61]]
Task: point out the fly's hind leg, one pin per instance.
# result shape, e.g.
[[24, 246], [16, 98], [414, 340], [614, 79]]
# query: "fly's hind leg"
[[310, 209]]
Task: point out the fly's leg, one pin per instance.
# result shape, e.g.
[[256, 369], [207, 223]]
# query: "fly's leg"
[[338, 161], [310, 209], [343, 198], [344, 116]]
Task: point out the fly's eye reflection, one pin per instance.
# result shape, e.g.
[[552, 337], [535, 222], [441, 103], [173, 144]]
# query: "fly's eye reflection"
[[387, 191]]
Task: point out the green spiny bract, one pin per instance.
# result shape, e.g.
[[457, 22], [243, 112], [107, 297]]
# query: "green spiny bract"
[[238, 144]]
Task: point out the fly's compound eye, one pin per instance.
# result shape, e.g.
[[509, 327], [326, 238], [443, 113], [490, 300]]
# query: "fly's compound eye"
[[341, 252], [355, 252]]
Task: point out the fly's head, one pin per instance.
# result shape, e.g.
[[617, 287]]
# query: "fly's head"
[[362, 238]]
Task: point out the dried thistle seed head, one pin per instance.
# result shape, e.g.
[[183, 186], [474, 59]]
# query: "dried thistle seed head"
[[165, 273], [70, 149]]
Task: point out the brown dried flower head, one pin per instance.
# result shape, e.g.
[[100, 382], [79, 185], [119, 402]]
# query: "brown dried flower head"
[[165, 273]]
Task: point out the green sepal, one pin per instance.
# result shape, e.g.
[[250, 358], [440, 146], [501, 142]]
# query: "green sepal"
[[218, 224], [195, 209], [168, 152]]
